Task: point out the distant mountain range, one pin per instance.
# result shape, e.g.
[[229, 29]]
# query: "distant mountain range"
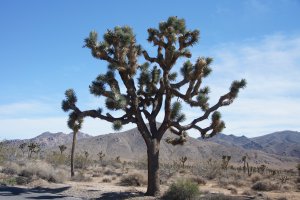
[[284, 143], [280, 149]]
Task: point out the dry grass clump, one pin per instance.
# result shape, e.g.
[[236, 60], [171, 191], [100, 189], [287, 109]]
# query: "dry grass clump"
[[248, 193], [30, 170], [44, 171], [109, 172], [225, 181], [106, 180], [182, 190], [80, 177], [199, 180], [11, 168], [264, 186], [256, 177], [133, 180], [208, 170]]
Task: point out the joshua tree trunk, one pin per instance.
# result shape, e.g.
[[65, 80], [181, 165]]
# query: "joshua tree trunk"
[[72, 153], [153, 188]]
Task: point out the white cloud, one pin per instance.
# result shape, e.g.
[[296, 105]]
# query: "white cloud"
[[23, 108], [271, 100]]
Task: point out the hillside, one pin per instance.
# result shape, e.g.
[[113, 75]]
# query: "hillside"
[[129, 145], [285, 143]]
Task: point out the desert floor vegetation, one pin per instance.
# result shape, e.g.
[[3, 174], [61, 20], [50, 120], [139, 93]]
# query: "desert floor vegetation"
[[207, 179]]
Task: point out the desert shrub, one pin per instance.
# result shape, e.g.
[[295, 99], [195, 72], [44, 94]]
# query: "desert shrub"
[[225, 181], [264, 186], [11, 168], [21, 180], [247, 192], [109, 172], [208, 170], [8, 181], [44, 171], [82, 162], [256, 177], [232, 189], [199, 180], [133, 180], [182, 190], [297, 180], [80, 177], [106, 180], [57, 159]]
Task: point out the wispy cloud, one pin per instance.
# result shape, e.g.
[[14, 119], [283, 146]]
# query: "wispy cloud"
[[271, 100]]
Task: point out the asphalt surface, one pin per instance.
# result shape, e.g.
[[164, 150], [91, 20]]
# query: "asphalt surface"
[[16, 193]]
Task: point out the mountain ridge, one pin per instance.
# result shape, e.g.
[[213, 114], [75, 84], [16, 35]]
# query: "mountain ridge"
[[129, 145]]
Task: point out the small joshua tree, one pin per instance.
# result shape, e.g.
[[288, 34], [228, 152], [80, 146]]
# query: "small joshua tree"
[[244, 158], [33, 148], [74, 123], [86, 154], [101, 155], [152, 86], [183, 159], [225, 161], [22, 147], [62, 148], [118, 159]]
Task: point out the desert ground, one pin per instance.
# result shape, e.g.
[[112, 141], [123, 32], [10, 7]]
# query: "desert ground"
[[49, 178]]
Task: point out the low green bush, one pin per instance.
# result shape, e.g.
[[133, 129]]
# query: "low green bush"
[[182, 190]]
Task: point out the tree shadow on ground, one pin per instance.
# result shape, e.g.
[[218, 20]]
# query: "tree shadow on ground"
[[50, 193], [119, 195]]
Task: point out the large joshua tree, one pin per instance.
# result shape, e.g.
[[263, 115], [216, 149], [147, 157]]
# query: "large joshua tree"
[[152, 87]]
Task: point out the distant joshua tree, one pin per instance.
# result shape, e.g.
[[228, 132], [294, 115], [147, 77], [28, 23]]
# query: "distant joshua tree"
[[101, 155], [33, 148], [62, 148], [22, 147], [183, 159], [225, 161], [152, 86], [86, 154]]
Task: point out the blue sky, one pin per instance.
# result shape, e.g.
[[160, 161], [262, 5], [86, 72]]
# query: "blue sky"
[[41, 56]]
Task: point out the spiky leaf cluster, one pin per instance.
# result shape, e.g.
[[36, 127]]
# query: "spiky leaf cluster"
[[236, 86], [117, 125], [148, 79], [118, 47], [70, 100], [75, 122], [217, 124], [176, 114]]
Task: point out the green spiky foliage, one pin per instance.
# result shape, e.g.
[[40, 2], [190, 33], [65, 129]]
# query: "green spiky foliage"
[[151, 86]]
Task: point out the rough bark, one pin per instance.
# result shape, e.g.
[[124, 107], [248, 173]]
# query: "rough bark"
[[153, 188], [72, 153]]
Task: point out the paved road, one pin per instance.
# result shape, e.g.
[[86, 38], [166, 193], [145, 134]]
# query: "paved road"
[[16, 193]]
